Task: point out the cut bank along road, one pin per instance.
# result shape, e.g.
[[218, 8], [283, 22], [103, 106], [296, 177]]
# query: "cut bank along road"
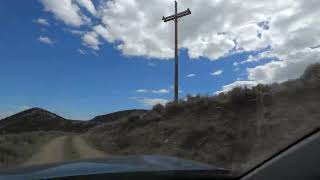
[[64, 148]]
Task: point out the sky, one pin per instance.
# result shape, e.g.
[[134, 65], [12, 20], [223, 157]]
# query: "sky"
[[82, 58]]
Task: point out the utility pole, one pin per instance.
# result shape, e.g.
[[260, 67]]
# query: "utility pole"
[[175, 17]]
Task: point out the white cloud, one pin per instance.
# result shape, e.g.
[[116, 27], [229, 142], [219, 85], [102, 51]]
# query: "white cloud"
[[82, 52], [279, 71], [88, 5], [191, 75], [45, 40], [94, 53], [91, 39], [288, 27], [137, 26], [141, 90], [151, 64], [153, 101], [217, 73], [103, 32], [5, 114], [263, 55], [42, 22], [161, 91], [226, 88], [67, 11], [76, 32], [25, 107]]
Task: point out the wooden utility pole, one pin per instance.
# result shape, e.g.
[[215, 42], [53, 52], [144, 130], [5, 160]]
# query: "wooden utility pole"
[[175, 17]]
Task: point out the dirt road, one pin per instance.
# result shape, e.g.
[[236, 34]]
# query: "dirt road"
[[64, 148]]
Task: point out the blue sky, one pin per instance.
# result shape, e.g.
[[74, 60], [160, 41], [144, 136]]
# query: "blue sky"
[[55, 76]]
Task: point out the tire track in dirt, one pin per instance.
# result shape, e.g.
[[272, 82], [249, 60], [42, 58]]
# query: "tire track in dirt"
[[64, 148], [51, 152], [85, 150]]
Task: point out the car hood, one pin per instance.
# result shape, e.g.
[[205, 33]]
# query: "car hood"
[[114, 164]]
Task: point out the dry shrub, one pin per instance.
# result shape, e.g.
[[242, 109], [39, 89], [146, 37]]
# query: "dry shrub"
[[221, 130], [159, 108], [312, 74], [15, 148], [173, 108], [193, 99], [195, 138], [242, 96], [122, 141]]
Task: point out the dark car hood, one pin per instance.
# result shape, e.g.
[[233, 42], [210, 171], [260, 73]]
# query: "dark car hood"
[[114, 164]]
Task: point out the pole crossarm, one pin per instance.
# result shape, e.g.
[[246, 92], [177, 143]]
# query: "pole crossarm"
[[179, 15]]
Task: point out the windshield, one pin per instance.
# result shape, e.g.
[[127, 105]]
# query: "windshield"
[[226, 83]]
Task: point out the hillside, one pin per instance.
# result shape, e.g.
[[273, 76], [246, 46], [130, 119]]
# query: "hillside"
[[235, 130], [118, 115], [37, 119]]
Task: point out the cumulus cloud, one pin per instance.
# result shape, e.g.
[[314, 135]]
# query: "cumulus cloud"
[[214, 29], [67, 11], [76, 32], [25, 107], [82, 52], [161, 91], [191, 75], [261, 56], [5, 114], [279, 71], [153, 101], [91, 39], [293, 32], [217, 73], [141, 90], [88, 5], [226, 88], [137, 26], [45, 40], [42, 22], [151, 64]]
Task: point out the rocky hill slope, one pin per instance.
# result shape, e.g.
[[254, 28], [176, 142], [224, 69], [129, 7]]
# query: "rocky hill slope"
[[235, 130], [37, 119], [118, 115]]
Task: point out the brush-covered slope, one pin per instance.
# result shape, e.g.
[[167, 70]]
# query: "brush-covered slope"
[[118, 115], [37, 119], [235, 130]]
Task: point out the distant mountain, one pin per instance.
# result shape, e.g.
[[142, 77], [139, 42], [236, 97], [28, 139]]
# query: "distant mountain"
[[39, 119], [36, 119], [118, 115]]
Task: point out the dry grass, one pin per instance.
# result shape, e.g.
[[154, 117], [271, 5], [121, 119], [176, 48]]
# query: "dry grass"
[[15, 148], [235, 130]]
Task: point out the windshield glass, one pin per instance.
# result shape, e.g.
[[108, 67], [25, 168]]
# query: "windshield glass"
[[222, 83]]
